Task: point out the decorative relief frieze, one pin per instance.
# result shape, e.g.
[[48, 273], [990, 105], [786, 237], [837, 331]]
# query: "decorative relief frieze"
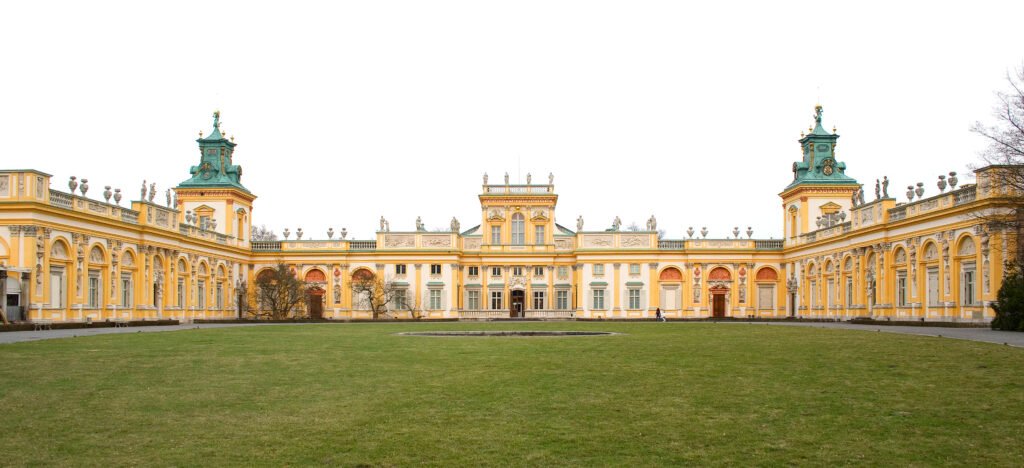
[[399, 240], [437, 241], [598, 240], [472, 243], [5, 185], [635, 240], [563, 244]]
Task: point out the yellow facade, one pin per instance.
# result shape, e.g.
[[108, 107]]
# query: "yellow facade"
[[70, 257]]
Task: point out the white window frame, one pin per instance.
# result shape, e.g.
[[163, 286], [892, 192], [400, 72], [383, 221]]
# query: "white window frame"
[[901, 289], [518, 229], [400, 269], [435, 269], [58, 287], [435, 299], [562, 299], [597, 299], [538, 271], [95, 288], [474, 271], [201, 294], [127, 290], [968, 284], [539, 234], [634, 299], [495, 235], [538, 300], [497, 301], [517, 271], [598, 269], [473, 299], [496, 272], [634, 269]]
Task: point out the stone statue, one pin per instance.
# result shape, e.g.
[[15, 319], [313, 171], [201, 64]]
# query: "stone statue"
[[152, 191], [860, 195], [579, 223], [337, 293], [485, 178], [853, 198], [616, 224], [878, 189], [529, 178], [652, 224], [143, 196], [506, 178], [455, 225], [175, 202], [551, 178], [419, 224], [382, 221], [167, 194], [885, 186]]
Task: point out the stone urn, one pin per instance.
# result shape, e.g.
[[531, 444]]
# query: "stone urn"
[[107, 193], [942, 183], [286, 233], [84, 187], [330, 233], [73, 184], [952, 180], [298, 234], [117, 196], [910, 193], [689, 231], [344, 233], [704, 231], [919, 190], [750, 232], [736, 232]]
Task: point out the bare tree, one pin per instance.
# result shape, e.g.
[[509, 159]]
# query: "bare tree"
[[1006, 151], [279, 291], [405, 300], [376, 294], [262, 233], [633, 227], [661, 234]]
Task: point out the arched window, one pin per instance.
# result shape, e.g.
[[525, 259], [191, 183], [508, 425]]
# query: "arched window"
[[518, 229]]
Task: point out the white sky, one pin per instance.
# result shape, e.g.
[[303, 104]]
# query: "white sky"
[[344, 112]]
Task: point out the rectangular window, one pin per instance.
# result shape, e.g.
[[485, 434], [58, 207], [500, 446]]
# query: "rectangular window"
[[400, 269], [496, 271], [220, 295], [538, 271], [563, 272], [634, 268], [435, 299], [496, 302], [538, 300], [126, 290], [766, 297], [517, 271], [901, 289], [538, 235], [435, 269], [95, 289], [401, 299], [201, 294], [933, 286], [57, 286], [598, 270], [473, 300], [181, 292], [814, 294], [474, 271], [967, 284], [849, 291], [598, 299], [562, 299], [496, 235], [634, 299]]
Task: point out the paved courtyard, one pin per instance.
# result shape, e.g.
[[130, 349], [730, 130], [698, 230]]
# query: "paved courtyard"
[[973, 334]]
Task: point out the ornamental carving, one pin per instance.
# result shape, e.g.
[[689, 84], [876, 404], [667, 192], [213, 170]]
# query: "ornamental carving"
[[402, 240], [5, 185], [437, 241], [635, 240], [597, 240], [496, 214], [563, 244], [472, 243]]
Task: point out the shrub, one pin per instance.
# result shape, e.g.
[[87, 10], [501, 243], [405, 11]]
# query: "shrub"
[[1009, 304]]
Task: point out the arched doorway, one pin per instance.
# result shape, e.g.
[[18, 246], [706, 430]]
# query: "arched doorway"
[[517, 303], [315, 302], [315, 294], [719, 281], [670, 285]]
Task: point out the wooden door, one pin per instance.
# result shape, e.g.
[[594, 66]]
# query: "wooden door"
[[718, 305], [316, 304]]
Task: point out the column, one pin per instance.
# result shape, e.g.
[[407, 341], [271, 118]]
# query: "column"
[[617, 287]]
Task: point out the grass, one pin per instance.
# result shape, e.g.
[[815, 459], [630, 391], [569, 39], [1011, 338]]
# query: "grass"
[[661, 394]]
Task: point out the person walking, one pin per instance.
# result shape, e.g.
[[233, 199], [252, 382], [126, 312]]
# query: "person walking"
[[660, 316]]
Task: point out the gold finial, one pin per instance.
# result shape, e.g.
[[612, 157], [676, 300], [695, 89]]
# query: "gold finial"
[[232, 138], [801, 134], [810, 130], [833, 129], [200, 134]]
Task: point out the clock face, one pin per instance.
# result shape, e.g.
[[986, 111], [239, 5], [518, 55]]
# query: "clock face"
[[828, 170], [822, 147]]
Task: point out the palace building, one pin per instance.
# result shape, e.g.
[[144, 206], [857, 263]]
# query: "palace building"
[[71, 256]]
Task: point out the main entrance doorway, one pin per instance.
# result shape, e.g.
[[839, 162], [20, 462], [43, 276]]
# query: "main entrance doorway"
[[315, 301], [718, 305], [517, 303]]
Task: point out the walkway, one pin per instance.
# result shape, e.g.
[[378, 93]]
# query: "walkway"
[[973, 334]]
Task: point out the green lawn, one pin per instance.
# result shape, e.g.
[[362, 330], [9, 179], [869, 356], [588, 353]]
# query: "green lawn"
[[661, 394]]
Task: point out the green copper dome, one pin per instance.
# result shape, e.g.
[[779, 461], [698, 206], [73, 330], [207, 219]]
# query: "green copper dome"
[[215, 169], [819, 165]]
